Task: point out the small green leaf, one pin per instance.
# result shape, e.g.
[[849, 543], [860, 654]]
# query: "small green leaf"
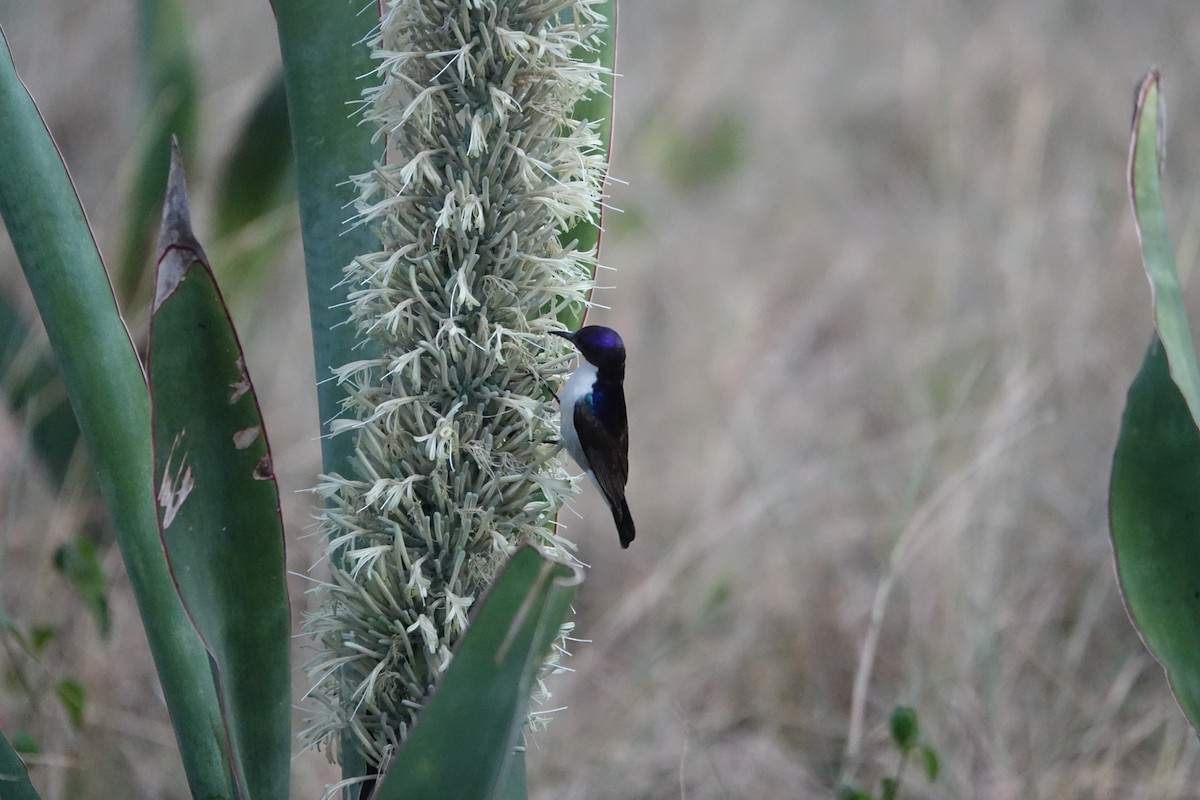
[[40, 636], [888, 788], [932, 765], [25, 743], [462, 745], [218, 502], [848, 791], [72, 697], [905, 729], [79, 563], [14, 778]]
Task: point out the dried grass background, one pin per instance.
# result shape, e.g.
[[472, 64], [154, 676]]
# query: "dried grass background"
[[879, 283]]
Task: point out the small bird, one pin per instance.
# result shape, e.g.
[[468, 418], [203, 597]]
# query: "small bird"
[[594, 428]]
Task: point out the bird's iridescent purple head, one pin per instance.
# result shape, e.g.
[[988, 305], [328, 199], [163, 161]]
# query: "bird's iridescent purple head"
[[599, 345]]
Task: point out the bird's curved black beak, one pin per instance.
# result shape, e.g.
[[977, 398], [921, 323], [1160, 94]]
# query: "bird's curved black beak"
[[570, 337]]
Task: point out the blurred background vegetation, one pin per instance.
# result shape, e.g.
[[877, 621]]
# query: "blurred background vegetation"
[[881, 290]]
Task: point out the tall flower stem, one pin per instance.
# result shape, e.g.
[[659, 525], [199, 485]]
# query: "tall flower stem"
[[455, 460]]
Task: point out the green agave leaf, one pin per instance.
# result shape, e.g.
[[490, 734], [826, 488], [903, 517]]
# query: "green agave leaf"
[[107, 389], [515, 785], [1154, 514], [462, 745], [14, 778], [1156, 468], [1145, 190], [218, 502], [324, 74]]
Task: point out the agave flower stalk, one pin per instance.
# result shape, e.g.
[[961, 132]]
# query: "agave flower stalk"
[[456, 461]]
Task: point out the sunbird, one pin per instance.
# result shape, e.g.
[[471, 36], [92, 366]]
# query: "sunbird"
[[594, 428]]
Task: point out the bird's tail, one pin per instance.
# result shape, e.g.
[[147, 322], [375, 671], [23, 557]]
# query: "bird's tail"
[[621, 516]]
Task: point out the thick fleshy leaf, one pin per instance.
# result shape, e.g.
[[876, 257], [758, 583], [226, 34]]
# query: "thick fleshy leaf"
[[462, 745], [1146, 154], [218, 502], [325, 75], [1154, 512], [14, 778], [107, 390], [516, 786], [1156, 468]]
